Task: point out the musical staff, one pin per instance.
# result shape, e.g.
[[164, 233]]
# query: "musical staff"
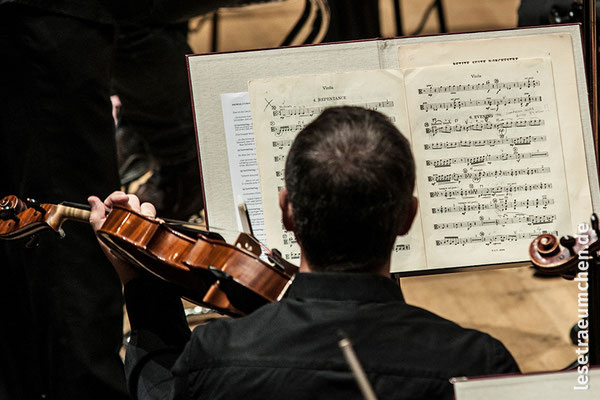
[[522, 101], [486, 158], [487, 86], [297, 111], [436, 127], [496, 205], [491, 239], [401, 247], [478, 175], [486, 191], [516, 141], [279, 130], [282, 143], [308, 111], [517, 219]]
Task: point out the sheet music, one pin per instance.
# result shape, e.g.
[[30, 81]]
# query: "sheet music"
[[241, 150], [489, 158], [282, 106]]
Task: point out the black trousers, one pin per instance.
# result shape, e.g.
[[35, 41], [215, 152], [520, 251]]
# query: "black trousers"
[[150, 78], [61, 303]]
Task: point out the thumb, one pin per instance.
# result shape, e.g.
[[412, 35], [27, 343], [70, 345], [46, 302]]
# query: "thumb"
[[98, 212]]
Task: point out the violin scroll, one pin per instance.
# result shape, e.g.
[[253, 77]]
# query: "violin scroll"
[[20, 219], [552, 256]]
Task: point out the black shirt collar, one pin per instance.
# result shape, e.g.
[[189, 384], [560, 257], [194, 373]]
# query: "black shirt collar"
[[344, 286]]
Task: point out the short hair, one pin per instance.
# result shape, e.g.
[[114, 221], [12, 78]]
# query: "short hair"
[[350, 177]]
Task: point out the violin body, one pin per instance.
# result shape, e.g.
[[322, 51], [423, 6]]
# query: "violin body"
[[231, 279], [209, 272]]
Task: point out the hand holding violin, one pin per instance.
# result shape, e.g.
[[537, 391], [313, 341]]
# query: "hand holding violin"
[[99, 212]]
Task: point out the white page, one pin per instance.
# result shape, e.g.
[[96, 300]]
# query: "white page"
[[570, 93], [490, 159], [241, 151], [282, 106]]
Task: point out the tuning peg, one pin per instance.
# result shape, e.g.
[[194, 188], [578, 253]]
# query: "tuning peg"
[[7, 213], [35, 205], [568, 242]]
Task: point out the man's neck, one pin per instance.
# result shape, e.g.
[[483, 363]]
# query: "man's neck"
[[383, 270]]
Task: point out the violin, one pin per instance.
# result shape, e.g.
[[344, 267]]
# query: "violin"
[[231, 279]]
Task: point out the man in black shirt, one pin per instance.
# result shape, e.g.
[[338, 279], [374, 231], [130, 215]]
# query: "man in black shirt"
[[349, 193]]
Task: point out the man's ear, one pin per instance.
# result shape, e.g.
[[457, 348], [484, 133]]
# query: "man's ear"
[[286, 210], [409, 217]]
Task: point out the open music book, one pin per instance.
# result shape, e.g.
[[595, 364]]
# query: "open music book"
[[498, 122]]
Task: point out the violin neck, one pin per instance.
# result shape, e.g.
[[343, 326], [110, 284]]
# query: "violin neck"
[[59, 213], [73, 211]]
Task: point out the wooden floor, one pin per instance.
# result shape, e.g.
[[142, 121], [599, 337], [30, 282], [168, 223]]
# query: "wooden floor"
[[531, 316]]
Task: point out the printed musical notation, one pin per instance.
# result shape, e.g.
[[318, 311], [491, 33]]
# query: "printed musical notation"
[[489, 239], [401, 247], [455, 104], [489, 190], [282, 143], [517, 219], [280, 130], [514, 141], [488, 115], [486, 158], [476, 176], [310, 111], [487, 86], [496, 205], [434, 127]]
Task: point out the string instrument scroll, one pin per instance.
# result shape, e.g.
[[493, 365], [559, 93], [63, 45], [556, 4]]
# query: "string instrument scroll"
[[231, 279], [575, 258]]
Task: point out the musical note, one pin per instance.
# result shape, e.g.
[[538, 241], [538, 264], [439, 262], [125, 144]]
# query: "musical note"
[[489, 190], [481, 126], [487, 86], [485, 158], [307, 111], [458, 104], [478, 175], [282, 143], [402, 247], [489, 239], [518, 219], [280, 130], [498, 206]]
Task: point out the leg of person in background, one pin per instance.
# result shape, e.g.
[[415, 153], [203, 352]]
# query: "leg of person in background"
[[152, 84], [61, 302], [352, 20]]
